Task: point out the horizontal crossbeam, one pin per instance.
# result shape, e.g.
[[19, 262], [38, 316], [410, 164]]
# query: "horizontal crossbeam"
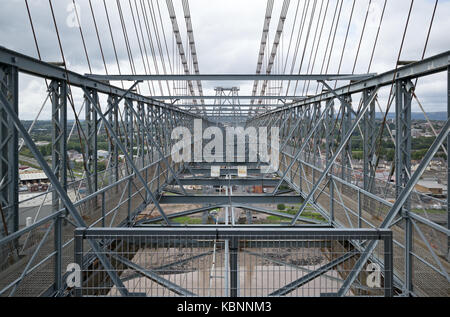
[[229, 106], [254, 199], [230, 77], [229, 97], [179, 214], [29, 65], [228, 182], [428, 66], [224, 172], [247, 232]]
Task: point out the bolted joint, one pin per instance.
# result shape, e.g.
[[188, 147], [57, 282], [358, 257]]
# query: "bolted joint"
[[409, 86]]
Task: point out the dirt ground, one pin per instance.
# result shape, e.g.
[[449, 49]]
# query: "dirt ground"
[[205, 276]]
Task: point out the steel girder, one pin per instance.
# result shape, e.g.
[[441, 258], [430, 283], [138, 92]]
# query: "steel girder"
[[398, 205], [221, 97], [9, 162], [166, 114], [205, 181], [129, 159], [91, 96], [113, 117], [347, 113], [32, 66], [181, 52], [61, 192], [58, 95], [168, 146], [369, 137], [223, 200], [59, 89], [305, 142], [448, 162], [236, 77], [403, 98], [432, 65], [313, 275], [234, 236], [329, 160], [154, 277], [9, 157]]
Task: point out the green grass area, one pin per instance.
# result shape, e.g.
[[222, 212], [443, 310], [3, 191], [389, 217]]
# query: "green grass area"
[[430, 211], [309, 213], [29, 164], [188, 220]]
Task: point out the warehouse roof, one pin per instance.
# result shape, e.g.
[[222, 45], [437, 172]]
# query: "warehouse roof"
[[32, 176]]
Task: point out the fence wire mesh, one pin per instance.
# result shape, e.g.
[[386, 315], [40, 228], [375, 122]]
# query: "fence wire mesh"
[[232, 262]]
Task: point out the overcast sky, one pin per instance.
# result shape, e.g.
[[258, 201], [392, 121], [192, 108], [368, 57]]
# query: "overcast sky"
[[227, 37]]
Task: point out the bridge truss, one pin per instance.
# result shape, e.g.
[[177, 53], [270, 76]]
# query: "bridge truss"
[[147, 225]]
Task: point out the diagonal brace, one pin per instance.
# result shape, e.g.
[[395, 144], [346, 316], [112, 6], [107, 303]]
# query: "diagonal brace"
[[155, 277], [62, 194], [313, 275], [179, 214], [335, 156], [305, 142], [116, 103], [402, 198], [152, 141], [127, 156]]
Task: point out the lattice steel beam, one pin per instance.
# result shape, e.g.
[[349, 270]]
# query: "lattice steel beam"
[[9, 157]]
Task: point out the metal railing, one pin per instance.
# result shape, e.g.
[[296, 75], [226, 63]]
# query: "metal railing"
[[235, 262]]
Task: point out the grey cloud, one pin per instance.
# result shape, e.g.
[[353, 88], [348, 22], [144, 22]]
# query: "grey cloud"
[[227, 35]]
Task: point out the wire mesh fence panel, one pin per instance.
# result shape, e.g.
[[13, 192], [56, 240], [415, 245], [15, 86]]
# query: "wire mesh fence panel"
[[34, 260], [234, 262], [350, 206]]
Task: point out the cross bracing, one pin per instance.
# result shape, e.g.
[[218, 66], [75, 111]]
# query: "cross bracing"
[[321, 213]]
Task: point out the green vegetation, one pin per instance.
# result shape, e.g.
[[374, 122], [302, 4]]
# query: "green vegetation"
[[281, 207], [101, 166], [418, 155], [387, 147], [188, 220], [28, 164], [430, 211], [305, 214], [419, 147], [308, 213], [42, 132], [358, 155]]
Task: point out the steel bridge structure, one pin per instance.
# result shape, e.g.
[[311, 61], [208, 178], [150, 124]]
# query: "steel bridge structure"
[[150, 225]]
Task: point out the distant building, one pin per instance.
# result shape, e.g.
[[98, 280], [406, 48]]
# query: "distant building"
[[102, 154], [73, 155], [42, 143], [384, 175], [431, 188], [32, 177], [416, 133]]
